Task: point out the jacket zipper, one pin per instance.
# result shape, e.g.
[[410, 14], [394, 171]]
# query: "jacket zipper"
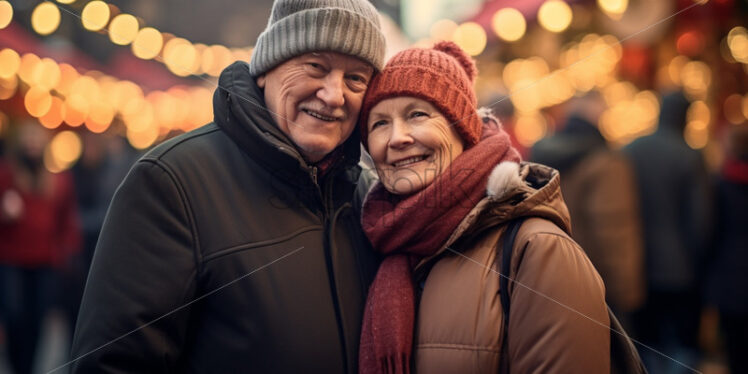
[[327, 215], [314, 176]]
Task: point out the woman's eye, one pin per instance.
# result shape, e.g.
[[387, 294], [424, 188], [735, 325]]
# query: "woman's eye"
[[378, 123], [418, 114]]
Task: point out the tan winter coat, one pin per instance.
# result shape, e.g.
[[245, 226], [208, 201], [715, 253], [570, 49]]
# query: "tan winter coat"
[[559, 321]]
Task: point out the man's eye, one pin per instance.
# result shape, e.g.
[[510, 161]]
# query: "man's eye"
[[357, 78]]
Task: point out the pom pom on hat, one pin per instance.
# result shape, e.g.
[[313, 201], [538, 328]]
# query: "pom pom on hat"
[[442, 75], [452, 49]]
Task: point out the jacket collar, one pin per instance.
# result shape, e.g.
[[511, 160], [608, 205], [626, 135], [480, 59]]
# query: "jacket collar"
[[513, 191]]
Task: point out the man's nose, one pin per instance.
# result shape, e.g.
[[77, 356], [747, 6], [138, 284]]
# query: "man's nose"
[[332, 90]]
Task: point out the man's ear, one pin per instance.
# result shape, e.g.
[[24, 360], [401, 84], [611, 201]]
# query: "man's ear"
[[261, 81]]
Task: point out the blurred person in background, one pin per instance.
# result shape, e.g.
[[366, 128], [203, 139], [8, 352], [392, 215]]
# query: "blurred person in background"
[[599, 188], [237, 248], [728, 279], [39, 228], [675, 206]]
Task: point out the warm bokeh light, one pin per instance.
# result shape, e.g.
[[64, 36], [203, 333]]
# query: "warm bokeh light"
[[696, 136], [6, 14], [86, 87], [8, 87], [509, 24], [471, 37], [55, 115], [26, 70], [122, 94], [68, 76], [45, 18], [698, 116], [95, 15], [443, 29], [100, 117], [140, 119], [675, 67], [732, 109], [4, 123], [46, 74], [66, 147], [737, 41], [530, 128], [76, 110], [180, 56], [201, 107], [165, 109], [37, 101], [237, 54], [142, 139], [555, 15], [65, 1], [215, 58], [696, 76], [613, 8], [148, 43], [10, 62], [123, 29]]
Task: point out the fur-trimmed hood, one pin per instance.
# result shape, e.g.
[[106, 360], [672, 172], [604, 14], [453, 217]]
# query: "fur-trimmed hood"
[[512, 191]]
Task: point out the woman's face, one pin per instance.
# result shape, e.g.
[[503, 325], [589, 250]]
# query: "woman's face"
[[411, 143]]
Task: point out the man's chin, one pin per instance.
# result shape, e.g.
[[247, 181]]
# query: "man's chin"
[[315, 153]]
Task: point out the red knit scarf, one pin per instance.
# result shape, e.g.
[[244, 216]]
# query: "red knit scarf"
[[409, 228]]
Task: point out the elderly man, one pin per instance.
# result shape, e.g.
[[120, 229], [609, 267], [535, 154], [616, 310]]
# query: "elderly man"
[[235, 247]]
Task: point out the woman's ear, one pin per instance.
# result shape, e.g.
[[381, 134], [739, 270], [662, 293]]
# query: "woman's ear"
[[261, 81]]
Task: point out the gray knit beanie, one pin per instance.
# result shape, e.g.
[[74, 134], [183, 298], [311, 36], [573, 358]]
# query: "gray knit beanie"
[[296, 27]]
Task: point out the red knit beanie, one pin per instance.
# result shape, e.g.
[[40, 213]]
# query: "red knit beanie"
[[442, 75]]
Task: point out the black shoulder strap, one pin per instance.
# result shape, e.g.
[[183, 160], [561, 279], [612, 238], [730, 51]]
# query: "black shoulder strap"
[[505, 262], [507, 246]]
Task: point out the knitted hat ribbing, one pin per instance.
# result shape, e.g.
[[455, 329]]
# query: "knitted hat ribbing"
[[296, 27], [442, 75]]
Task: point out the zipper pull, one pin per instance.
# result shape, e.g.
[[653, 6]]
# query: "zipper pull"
[[314, 174]]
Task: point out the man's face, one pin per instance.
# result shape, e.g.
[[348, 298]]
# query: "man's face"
[[315, 99]]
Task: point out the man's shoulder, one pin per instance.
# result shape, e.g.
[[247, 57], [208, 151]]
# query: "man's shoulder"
[[188, 145]]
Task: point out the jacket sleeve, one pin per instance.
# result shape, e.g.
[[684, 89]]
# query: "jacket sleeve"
[[133, 317], [558, 322]]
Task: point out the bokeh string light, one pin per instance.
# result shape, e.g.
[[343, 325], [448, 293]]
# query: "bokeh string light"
[[56, 94], [187, 58]]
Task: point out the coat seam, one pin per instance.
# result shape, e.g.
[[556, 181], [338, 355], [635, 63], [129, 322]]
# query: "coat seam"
[[245, 246], [204, 131], [185, 205]]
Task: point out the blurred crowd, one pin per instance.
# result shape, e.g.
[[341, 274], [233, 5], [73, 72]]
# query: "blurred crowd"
[[665, 231], [49, 224]]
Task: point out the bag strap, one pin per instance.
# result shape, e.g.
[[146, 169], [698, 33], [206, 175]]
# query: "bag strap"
[[507, 247]]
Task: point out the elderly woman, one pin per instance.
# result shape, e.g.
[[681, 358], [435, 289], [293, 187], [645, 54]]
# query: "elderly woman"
[[449, 184]]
